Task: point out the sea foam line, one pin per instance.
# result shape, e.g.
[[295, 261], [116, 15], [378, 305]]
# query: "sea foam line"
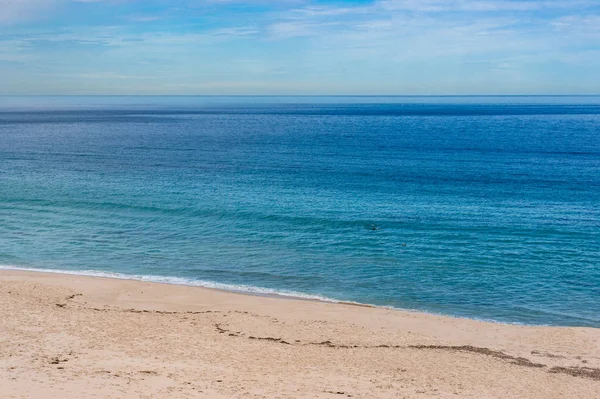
[[238, 288]]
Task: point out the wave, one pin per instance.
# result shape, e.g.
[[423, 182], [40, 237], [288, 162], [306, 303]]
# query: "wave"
[[239, 288], [268, 292], [249, 290]]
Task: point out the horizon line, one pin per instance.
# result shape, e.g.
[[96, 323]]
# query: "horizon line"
[[300, 95]]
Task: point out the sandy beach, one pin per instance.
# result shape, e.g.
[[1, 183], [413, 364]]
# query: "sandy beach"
[[64, 336]]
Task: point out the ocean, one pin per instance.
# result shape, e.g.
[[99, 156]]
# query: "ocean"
[[477, 207]]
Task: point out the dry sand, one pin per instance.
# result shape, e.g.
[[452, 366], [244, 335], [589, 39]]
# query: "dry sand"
[[84, 337]]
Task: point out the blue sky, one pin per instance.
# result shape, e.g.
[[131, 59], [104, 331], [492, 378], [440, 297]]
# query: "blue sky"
[[299, 47]]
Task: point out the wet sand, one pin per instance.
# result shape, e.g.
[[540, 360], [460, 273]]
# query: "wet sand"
[[64, 336]]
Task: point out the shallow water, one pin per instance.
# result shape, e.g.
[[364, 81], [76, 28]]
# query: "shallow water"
[[483, 207]]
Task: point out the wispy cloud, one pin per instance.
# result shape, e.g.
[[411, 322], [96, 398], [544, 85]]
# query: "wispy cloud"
[[393, 45], [482, 5], [13, 11], [145, 18]]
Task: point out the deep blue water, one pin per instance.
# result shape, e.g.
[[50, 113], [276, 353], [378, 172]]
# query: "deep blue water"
[[485, 207]]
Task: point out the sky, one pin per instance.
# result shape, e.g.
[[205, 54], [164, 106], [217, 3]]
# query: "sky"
[[299, 47]]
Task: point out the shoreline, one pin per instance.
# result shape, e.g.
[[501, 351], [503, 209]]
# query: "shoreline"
[[75, 336], [258, 292], [208, 285]]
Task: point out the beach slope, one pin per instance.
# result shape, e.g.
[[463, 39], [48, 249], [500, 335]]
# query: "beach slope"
[[64, 336]]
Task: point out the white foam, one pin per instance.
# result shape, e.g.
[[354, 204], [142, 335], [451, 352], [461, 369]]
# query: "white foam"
[[243, 289], [240, 288]]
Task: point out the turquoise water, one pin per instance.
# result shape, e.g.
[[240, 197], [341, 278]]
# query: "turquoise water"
[[481, 207]]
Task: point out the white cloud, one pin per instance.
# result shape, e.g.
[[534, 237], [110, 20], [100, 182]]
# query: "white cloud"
[[366, 47], [482, 5], [12, 11]]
